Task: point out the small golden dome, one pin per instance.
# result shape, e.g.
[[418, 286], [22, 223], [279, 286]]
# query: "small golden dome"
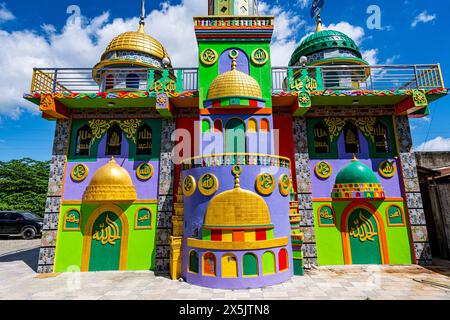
[[110, 183], [237, 207], [138, 41], [234, 83]]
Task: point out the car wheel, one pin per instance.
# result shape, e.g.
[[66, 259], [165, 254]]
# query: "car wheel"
[[28, 233]]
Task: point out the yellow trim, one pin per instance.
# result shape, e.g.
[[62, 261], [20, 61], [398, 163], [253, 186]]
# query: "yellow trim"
[[211, 191], [384, 175], [64, 220], [403, 224], [136, 227], [79, 179], [440, 75], [87, 239], [194, 184], [186, 161], [218, 245]]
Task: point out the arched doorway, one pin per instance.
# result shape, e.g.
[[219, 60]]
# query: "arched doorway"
[[364, 238], [105, 240], [235, 136]]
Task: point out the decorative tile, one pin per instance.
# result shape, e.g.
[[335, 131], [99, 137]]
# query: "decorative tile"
[[164, 220], [309, 250], [409, 166], [49, 238], [419, 233], [307, 218], [414, 200], [46, 256], [310, 235], [45, 269], [417, 216], [162, 265], [304, 201], [165, 203], [51, 221], [52, 204], [412, 185], [423, 251], [163, 252], [162, 236]]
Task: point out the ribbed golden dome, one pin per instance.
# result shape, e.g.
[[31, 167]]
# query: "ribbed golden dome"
[[138, 41], [234, 83], [237, 207], [110, 183]]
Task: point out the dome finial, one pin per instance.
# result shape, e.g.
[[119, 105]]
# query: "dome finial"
[[354, 158], [236, 172], [233, 55], [319, 23], [142, 19]]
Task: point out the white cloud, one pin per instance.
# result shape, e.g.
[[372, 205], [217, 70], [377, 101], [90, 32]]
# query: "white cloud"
[[5, 14], [437, 144], [370, 56], [303, 3], [423, 17]]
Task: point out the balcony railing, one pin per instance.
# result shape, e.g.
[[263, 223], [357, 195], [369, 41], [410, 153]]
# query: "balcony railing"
[[401, 77], [80, 80], [393, 77]]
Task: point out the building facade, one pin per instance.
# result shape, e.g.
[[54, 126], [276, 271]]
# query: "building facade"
[[235, 174]]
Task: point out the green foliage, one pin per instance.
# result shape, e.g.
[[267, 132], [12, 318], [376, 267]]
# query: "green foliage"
[[23, 185]]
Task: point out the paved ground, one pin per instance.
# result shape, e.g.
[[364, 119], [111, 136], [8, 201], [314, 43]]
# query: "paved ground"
[[18, 280]]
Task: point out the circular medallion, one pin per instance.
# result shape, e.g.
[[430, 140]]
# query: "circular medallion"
[[209, 56], [265, 183], [144, 171], [387, 169], [284, 183], [260, 56], [323, 170], [162, 100], [189, 186], [208, 184], [79, 172]]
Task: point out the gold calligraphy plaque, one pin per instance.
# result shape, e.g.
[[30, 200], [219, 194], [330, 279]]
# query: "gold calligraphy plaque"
[[189, 186], [208, 184], [79, 172]]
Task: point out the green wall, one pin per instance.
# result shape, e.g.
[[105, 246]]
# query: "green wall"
[[141, 242], [262, 74], [329, 240]]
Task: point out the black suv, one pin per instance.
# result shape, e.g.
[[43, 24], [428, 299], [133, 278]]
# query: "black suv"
[[26, 224]]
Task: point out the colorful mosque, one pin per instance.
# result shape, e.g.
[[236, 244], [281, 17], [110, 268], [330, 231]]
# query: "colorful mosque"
[[235, 174]]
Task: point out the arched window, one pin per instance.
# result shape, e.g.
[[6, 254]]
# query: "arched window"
[[144, 140], [250, 264], [235, 136], [252, 126], [321, 138], [109, 82], [132, 81], [113, 141], [283, 263], [206, 126], [84, 138], [217, 126], [268, 261], [381, 137], [229, 266], [209, 264], [265, 127], [351, 138], [193, 261]]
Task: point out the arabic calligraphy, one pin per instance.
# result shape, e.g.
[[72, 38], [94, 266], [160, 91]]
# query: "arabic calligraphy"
[[144, 171], [265, 183], [208, 184], [363, 229], [209, 56], [71, 218], [259, 56], [79, 172], [323, 170], [387, 169], [109, 232]]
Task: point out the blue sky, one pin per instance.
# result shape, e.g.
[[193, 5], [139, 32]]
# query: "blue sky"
[[35, 33]]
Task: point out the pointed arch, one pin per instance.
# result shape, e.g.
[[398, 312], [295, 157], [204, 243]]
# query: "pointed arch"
[[114, 141], [381, 137], [351, 138]]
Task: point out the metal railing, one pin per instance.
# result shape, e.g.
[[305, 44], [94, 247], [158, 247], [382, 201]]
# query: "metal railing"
[[392, 77], [81, 80]]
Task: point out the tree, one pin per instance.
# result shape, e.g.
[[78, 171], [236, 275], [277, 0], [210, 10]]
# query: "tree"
[[23, 185]]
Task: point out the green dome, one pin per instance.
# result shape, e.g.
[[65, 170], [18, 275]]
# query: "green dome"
[[356, 173], [325, 40]]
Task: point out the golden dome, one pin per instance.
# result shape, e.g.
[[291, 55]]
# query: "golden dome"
[[237, 208], [138, 41], [110, 183], [234, 83]]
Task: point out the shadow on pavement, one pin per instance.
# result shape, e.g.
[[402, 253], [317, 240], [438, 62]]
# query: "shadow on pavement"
[[28, 256]]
